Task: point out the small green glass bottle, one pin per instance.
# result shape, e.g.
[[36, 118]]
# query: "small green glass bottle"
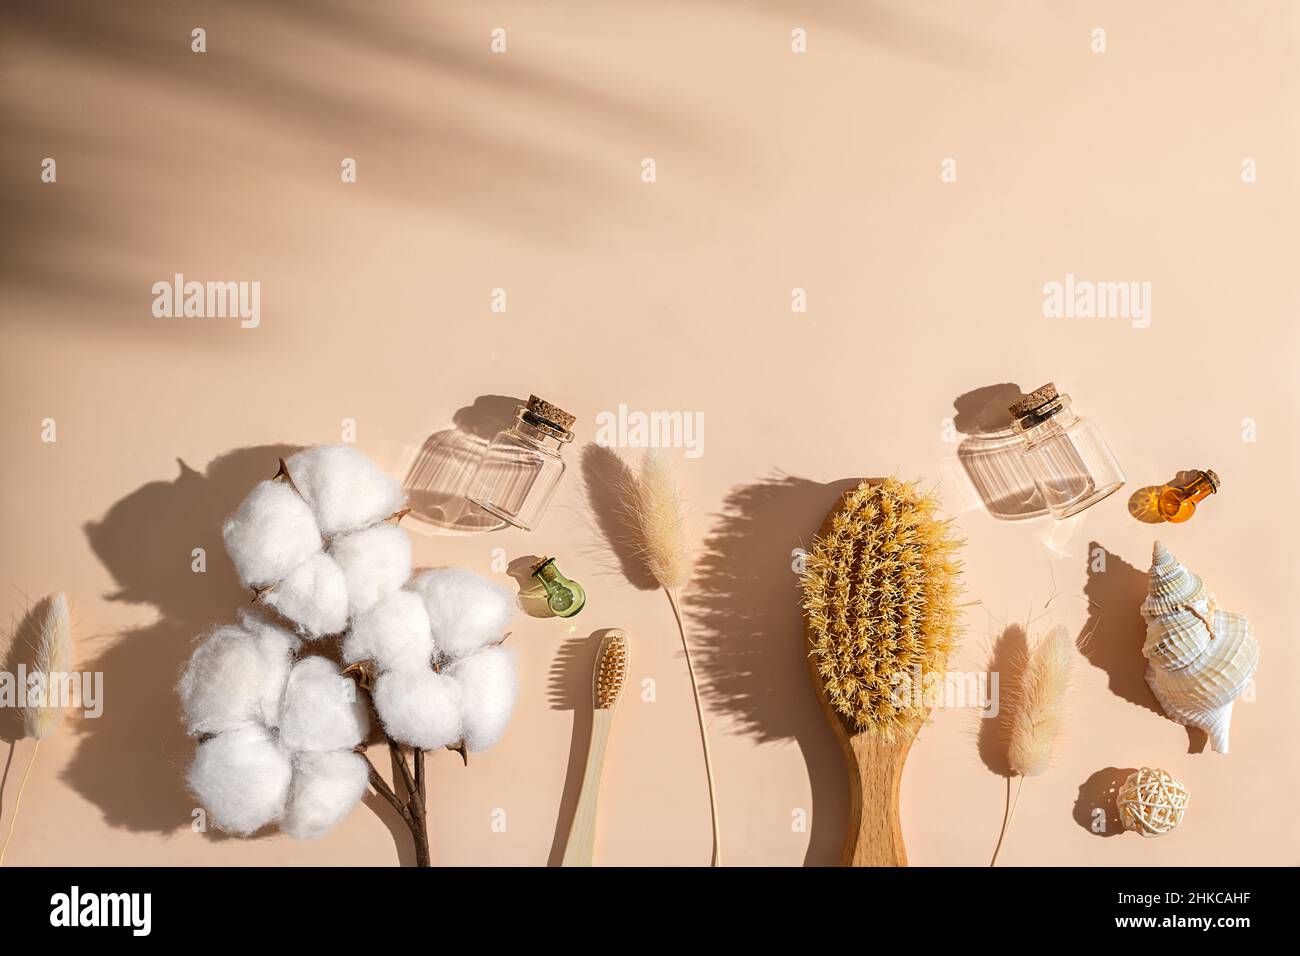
[[564, 596]]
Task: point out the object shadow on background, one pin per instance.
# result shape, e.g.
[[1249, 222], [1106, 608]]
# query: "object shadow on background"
[[1143, 503], [570, 688], [1114, 633], [401, 833], [991, 453], [438, 479], [1098, 792], [893, 27], [532, 596], [745, 621], [131, 761], [279, 70]]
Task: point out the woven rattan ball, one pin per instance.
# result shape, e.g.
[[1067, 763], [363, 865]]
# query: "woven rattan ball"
[[1151, 802]]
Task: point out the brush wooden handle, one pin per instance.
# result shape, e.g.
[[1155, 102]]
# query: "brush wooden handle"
[[581, 846], [875, 836]]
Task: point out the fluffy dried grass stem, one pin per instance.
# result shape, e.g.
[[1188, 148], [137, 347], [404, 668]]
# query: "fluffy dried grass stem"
[[704, 737], [652, 513], [53, 656], [1039, 715], [18, 802], [1038, 708], [1006, 817]]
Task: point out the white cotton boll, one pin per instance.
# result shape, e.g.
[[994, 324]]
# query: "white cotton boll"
[[419, 707], [375, 562], [466, 611], [394, 634], [241, 777], [345, 489], [489, 685], [270, 534], [314, 595], [326, 787], [236, 676], [322, 709]]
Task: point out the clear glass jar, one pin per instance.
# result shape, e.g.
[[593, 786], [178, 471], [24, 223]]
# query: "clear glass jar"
[[1066, 454], [521, 467]]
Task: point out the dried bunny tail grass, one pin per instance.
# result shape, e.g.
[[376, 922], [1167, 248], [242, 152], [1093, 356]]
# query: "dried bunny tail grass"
[[53, 660], [1039, 703], [53, 656], [653, 511], [879, 594]]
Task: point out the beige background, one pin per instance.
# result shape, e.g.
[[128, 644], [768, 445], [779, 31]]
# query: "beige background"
[[775, 171]]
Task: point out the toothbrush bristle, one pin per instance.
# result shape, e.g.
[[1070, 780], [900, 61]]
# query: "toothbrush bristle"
[[611, 671]]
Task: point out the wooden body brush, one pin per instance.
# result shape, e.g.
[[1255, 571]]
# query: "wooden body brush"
[[607, 682], [879, 589]]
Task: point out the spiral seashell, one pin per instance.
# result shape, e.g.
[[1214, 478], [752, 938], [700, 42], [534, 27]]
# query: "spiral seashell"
[[1199, 658]]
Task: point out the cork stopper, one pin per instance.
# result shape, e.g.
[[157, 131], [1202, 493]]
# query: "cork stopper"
[[1035, 399], [1213, 479], [545, 410]]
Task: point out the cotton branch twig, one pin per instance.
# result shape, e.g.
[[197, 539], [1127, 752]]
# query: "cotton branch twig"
[[412, 810]]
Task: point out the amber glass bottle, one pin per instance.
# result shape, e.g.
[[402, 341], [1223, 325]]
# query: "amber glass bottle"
[[1177, 503]]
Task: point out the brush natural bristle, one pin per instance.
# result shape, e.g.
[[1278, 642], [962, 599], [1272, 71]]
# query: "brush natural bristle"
[[611, 670], [54, 662], [1038, 703], [879, 597]]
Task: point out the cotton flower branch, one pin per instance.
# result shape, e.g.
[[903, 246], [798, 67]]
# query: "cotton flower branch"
[[319, 545]]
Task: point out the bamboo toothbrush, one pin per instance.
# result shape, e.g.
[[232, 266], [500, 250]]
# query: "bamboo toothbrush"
[[607, 686], [879, 590]]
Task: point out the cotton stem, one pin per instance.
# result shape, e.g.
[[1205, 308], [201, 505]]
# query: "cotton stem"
[[412, 809]]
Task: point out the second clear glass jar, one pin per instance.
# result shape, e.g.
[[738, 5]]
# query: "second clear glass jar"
[[521, 467], [1066, 453]]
